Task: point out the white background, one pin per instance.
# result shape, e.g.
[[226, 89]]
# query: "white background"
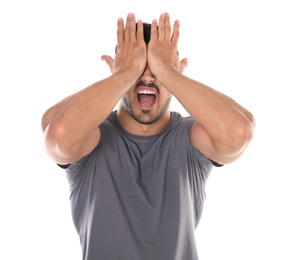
[[50, 49]]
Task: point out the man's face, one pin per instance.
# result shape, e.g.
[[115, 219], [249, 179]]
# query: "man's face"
[[147, 100]]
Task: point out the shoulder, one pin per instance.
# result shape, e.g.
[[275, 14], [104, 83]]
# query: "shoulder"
[[183, 123]]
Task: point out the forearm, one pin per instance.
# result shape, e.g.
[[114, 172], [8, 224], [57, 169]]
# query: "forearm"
[[214, 111], [69, 125], [94, 102]]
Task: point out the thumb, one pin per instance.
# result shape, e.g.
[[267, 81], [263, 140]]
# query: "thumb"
[[107, 59], [183, 64]]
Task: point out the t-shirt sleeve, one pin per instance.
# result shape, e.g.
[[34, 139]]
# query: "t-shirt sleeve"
[[75, 171], [199, 169]]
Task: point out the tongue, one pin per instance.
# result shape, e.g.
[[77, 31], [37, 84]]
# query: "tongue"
[[146, 100]]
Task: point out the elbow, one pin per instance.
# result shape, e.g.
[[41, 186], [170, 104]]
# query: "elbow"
[[234, 140], [243, 135], [248, 128], [56, 143]]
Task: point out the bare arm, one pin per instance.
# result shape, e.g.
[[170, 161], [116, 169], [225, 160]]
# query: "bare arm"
[[223, 128], [71, 127]]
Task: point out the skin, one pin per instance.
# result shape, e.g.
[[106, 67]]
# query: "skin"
[[222, 130]]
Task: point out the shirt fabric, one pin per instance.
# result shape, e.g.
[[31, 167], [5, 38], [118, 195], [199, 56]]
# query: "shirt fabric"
[[139, 197]]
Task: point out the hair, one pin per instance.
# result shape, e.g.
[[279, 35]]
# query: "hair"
[[146, 31]]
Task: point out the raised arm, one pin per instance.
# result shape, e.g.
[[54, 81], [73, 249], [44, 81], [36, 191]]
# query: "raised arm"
[[71, 127], [223, 128]]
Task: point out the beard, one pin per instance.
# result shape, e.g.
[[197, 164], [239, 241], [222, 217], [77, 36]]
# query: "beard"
[[145, 117]]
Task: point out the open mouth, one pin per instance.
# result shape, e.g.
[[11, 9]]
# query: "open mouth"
[[146, 97]]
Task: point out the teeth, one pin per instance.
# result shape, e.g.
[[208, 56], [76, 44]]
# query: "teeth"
[[147, 92]]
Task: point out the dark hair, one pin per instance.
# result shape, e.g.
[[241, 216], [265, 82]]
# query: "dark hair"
[[146, 31]]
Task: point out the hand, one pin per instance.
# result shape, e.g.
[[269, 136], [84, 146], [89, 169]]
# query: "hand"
[[163, 49], [130, 52]]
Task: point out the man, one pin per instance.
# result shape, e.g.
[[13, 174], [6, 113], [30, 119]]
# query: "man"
[[137, 174]]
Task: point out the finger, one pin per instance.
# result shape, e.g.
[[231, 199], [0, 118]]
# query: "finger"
[[120, 30], [184, 63], [130, 27], [107, 59], [167, 25], [161, 29], [109, 62], [126, 29], [176, 33], [140, 31], [153, 31]]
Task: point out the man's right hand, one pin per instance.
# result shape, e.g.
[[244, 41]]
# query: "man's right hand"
[[131, 49]]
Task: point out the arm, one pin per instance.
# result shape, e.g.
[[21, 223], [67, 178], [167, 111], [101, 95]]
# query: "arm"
[[223, 128], [71, 127]]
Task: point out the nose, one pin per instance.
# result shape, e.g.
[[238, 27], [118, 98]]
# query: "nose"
[[147, 75]]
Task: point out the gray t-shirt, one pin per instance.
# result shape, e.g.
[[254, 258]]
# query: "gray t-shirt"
[[139, 197]]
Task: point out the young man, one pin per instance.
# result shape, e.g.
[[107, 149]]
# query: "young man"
[[137, 174]]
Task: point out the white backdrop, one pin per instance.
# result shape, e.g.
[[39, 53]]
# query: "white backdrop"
[[50, 49]]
